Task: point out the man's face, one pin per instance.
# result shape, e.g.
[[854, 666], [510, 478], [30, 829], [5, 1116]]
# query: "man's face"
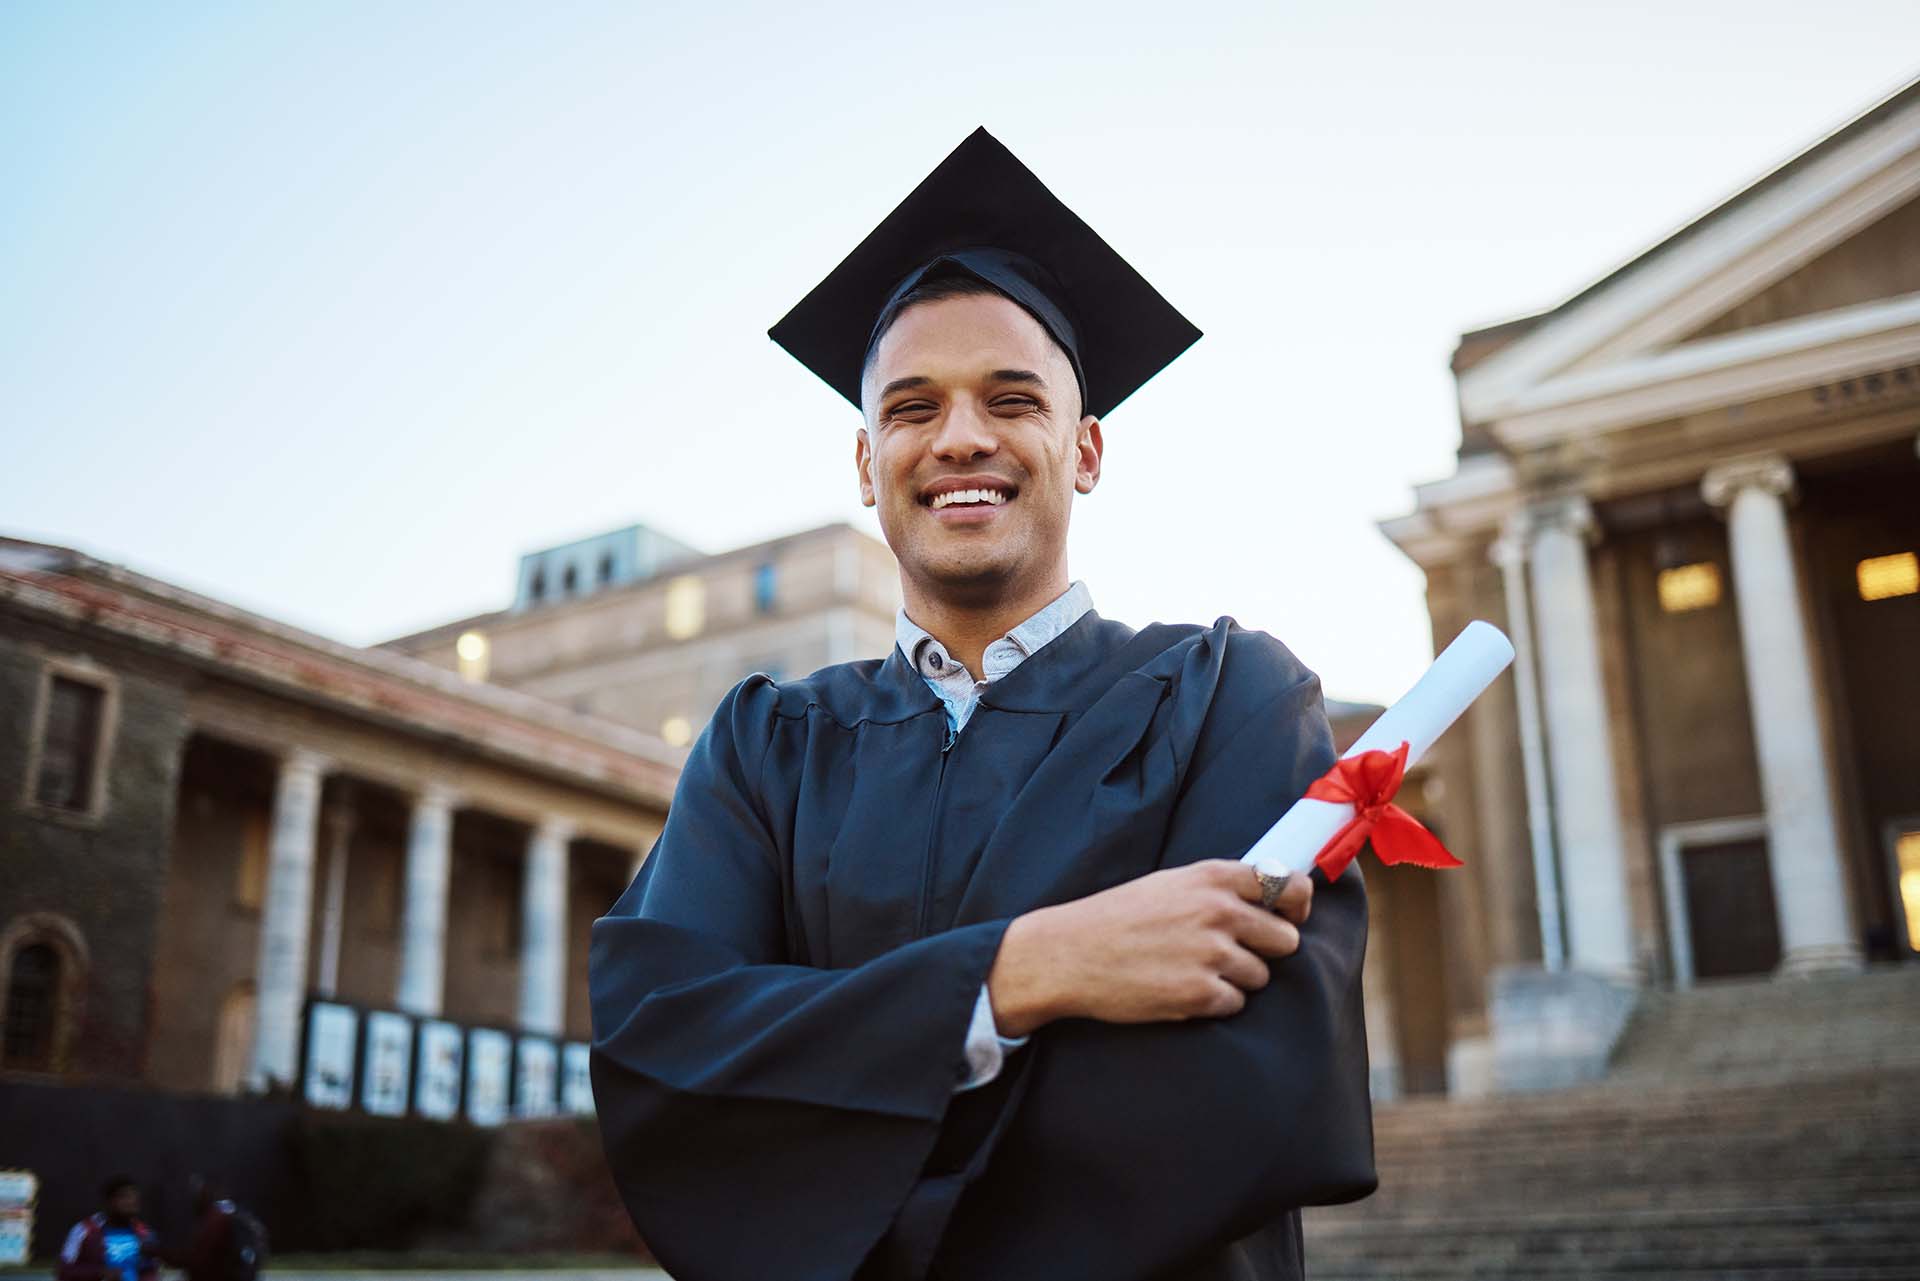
[[974, 447], [124, 1203]]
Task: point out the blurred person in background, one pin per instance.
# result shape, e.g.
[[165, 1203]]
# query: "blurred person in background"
[[112, 1244], [228, 1243]]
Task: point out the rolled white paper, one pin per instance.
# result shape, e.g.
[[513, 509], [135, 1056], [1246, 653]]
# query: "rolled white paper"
[[1461, 673]]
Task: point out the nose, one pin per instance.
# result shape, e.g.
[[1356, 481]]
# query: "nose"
[[966, 433]]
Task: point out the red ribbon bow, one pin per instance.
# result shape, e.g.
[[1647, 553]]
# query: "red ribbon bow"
[[1369, 782]]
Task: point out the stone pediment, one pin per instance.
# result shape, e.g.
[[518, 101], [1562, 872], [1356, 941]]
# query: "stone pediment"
[[1810, 275], [1880, 262]]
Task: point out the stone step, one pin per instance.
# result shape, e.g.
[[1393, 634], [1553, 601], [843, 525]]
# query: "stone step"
[[1603, 1270], [1774, 1027], [1851, 1137], [1784, 1106], [1650, 1103], [1544, 1263], [1584, 1167], [1772, 1224], [1728, 1198]]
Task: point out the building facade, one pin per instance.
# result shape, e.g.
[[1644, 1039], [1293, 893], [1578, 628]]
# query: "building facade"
[[1691, 494], [212, 825], [658, 639]]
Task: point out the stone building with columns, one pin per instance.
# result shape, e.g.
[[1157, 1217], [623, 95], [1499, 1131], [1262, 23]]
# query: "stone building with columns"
[[212, 824], [1691, 494]]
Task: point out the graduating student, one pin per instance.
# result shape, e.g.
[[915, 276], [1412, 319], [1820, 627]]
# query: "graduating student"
[[942, 966]]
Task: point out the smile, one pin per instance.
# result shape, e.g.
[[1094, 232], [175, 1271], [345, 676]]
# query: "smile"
[[968, 497]]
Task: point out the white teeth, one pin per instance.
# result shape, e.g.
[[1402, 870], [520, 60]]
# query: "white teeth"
[[991, 497]]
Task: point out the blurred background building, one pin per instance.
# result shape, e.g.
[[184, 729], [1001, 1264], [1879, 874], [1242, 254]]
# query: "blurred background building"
[[242, 859], [634, 627], [1691, 814], [1692, 495], [216, 818]]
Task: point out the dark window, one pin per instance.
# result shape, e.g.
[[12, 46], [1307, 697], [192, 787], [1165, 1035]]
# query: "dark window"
[[764, 587], [539, 587], [70, 745], [32, 995], [606, 568], [569, 580]]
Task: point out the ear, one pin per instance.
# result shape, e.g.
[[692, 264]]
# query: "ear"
[[1089, 445], [863, 463]]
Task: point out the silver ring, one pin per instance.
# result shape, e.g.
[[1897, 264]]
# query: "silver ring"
[[1272, 887]]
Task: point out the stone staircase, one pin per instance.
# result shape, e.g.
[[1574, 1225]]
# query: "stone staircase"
[[1750, 1129]]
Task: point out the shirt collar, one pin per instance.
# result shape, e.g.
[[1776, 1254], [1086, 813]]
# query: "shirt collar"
[[1005, 654]]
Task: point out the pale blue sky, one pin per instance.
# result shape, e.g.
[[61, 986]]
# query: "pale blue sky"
[[332, 310]]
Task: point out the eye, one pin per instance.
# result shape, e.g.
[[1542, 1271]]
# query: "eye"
[[1018, 404], [911, 409]]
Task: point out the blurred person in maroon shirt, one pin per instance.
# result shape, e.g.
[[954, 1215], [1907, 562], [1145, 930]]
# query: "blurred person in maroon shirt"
[[228, 1243]]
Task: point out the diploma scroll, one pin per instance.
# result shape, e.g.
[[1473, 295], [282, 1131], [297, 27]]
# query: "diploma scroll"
[[1461, 673]]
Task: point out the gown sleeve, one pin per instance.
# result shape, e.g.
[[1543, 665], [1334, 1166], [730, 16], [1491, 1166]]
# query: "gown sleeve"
[[762, 1118], [1139, 1148]]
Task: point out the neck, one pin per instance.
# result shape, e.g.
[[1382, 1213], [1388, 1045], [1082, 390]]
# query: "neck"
[[967, 627]]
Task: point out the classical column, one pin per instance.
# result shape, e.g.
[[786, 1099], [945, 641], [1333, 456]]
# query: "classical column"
[[543, 929], [280, 983], [337, 823], [1586, 799], [1509, 553], [423, 939], [1803, 844]]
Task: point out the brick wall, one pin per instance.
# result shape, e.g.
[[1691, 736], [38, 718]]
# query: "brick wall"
[[102, 873]]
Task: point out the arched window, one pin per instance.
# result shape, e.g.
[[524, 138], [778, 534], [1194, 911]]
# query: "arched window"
[[570, 580], [43, 979], [606, 568], [33, 1008]]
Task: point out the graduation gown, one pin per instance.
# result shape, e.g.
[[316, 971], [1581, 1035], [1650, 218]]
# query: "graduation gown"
[[780, 998]]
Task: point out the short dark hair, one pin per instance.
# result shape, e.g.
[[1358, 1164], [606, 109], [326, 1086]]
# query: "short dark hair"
[[113, 1186], [941, 283], [951, 281]]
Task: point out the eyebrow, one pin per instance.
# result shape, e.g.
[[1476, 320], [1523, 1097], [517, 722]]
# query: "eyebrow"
[[999, 375], [905, 384]]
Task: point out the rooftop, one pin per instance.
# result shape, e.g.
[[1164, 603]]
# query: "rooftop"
[[66, 587]]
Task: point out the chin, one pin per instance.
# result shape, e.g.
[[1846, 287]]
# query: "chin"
[[966, 576]]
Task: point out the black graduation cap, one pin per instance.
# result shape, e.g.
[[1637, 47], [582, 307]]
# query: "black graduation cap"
[[984, 213]]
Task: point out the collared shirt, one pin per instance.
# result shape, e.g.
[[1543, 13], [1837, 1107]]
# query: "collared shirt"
[[959, 692], [986, 1050]]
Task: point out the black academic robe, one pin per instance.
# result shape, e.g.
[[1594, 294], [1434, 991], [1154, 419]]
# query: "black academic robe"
[[781, 998]]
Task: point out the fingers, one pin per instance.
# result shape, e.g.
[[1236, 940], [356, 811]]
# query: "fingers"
[[1296, 901], [1234, 875], [1243, 969], [1227, 1001], [1266, 933]]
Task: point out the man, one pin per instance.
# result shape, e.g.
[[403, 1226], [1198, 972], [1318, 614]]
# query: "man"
[[111, 1244], [942, 966], [228, 1243]]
